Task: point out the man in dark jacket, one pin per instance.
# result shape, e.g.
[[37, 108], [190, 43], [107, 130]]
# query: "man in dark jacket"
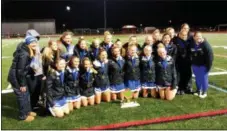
[[19, 75], [183, 63]]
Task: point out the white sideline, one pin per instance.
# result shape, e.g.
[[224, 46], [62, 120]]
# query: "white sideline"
[[225, 47], [219, 69], [6, 57]]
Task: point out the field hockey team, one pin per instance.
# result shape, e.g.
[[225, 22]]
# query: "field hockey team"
[[72, 76]]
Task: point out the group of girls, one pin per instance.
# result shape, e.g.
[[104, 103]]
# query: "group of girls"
[[105, 71], [76, 75]]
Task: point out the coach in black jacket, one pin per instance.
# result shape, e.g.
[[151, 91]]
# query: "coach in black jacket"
[[183, 63], [19, 75]]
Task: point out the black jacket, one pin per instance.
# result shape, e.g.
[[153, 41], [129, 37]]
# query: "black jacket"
[[172, 51], [86, 86], [94, 53], [182, 57], [80, 53], [155, 50], [55, 88], [102, 78], [108, 50], [147, 70], [20, 70], [72, 85], [201, 55], [166, 76], [132, 72], [116, 72]]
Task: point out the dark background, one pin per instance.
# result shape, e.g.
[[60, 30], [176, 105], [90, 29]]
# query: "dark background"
[[90, 13]]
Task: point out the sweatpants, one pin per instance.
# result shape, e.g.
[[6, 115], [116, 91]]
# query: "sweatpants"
[[201, 77]]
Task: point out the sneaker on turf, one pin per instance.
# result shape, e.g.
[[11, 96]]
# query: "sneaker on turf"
[[32, 114], [203, 95], [182, 92], [178, 92], [197, 93], [29, 119]]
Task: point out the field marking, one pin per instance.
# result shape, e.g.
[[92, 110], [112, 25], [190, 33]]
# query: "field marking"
[[217, 88], [214, 73], [218, 55], [225, 47], [219, 69], [157, 120], [7, 91], [6, 57], [9, 86]]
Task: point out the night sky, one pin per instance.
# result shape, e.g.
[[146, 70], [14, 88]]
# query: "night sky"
[[89, 13]]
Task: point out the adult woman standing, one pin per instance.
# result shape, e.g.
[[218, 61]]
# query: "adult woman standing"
[[202, 58], [19, 75]]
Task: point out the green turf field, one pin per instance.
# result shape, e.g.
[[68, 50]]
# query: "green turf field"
[[107, 113]]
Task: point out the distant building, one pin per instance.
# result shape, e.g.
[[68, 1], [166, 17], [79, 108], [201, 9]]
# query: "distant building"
[[19, 28], [149, 29], [129, 29]]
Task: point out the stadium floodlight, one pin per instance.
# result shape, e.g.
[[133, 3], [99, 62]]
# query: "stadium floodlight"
[[68, 8], [170, 21]]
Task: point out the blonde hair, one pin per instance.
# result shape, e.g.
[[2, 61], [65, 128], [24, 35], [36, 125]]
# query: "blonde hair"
[[168, 29], [107, 33], [47, 54], [161, 48], [131, 46], [160, 45]]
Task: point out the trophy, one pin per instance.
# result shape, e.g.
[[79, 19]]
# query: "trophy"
[[128, 102]]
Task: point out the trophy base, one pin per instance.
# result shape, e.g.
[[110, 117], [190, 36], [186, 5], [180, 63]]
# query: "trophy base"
[[129, 104]]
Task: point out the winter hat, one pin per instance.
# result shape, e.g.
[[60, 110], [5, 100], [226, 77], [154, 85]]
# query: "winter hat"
[[33, 33], [30, 39]]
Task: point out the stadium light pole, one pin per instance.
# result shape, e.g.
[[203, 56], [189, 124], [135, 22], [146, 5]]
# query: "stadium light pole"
[[105, 14]]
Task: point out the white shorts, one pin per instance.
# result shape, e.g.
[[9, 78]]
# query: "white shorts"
[[73, 98], [146, 87], [84, 97], [57, 107], [99, 90]]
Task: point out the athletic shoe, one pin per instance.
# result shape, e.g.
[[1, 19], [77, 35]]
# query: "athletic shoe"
[[178, 92], [32, 114], [203, 95], [29, 119], [197, 93], [182, 92]]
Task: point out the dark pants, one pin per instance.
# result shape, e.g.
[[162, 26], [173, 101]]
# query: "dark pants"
[[23, 100], [184, 75], [34, 84]]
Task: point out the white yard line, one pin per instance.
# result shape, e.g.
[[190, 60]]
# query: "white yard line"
[[7, 91], [214, 73], [222, 56], [218, 88], [6, 57], [225, 47], [219, 69]]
